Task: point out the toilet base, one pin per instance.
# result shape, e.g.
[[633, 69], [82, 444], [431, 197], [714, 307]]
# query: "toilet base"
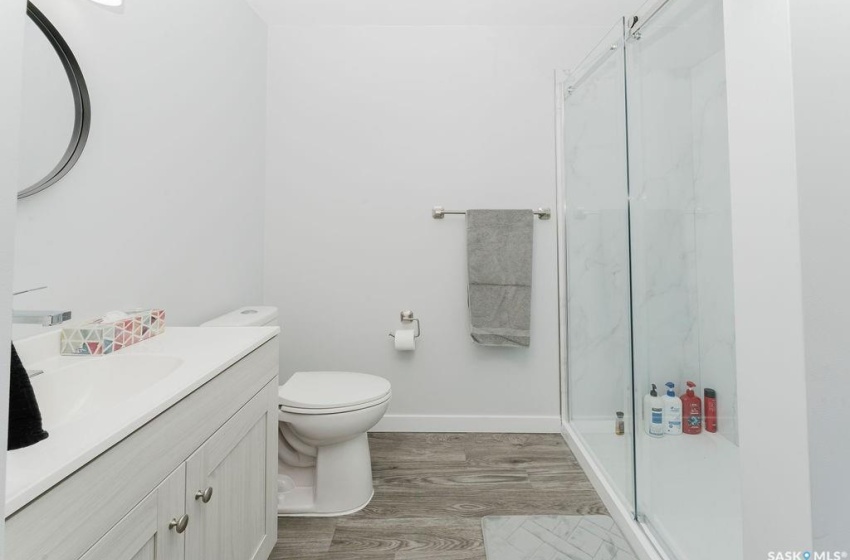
[[316, 514], [339, 484]]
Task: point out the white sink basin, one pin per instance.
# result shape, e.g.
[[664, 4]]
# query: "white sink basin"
[[92, 385], [88, 404]]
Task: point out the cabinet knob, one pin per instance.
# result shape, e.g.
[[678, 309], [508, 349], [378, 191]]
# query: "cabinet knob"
[[179, 524], [204, 495]]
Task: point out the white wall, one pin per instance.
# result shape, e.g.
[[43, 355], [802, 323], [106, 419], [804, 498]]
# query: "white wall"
[[572, 13], [11, 46], [164, 208], [768, 304], [822, 88], [373, 122]]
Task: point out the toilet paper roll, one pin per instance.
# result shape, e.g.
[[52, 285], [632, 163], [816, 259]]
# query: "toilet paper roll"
[[404, 340]]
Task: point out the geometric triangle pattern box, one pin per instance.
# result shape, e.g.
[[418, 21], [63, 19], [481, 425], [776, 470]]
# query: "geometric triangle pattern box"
[[98, 338]]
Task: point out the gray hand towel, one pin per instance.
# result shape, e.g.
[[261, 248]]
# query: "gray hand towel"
[[499, 245]]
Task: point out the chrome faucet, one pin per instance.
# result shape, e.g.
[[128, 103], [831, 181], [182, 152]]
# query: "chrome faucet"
[[47, 318], [43, 318]]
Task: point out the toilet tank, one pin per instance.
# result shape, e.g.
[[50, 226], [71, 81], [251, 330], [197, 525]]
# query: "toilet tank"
[[252, 316]]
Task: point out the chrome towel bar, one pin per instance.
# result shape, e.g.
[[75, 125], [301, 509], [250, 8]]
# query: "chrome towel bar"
[[438, 213]]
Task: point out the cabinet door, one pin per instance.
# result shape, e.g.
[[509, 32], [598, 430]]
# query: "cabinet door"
[[145, 533], [239, 464]]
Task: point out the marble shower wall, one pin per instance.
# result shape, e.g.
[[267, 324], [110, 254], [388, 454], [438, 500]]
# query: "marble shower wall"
[[678, 223], [597, 246], [713, 240], [683, 301], [666, 333]]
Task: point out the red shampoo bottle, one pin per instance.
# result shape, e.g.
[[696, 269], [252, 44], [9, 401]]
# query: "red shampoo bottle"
[[691, 411], [710, 410]]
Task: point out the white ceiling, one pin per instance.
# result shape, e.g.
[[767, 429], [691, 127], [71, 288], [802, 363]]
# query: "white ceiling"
[[444, 12]]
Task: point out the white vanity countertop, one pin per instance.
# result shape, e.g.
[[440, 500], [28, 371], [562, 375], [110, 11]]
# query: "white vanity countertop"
[[203, 353]]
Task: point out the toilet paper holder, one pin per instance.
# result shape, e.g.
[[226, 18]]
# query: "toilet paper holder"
[[407, 317]]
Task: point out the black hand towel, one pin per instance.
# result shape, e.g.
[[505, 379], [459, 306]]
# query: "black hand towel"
[[24, 416]]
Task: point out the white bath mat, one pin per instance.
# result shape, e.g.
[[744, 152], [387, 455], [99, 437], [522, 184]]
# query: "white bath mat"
[[554, 537]]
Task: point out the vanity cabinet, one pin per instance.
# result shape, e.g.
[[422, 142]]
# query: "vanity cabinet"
[[219, 505], [198, 482], [149, 532], [237, 475]]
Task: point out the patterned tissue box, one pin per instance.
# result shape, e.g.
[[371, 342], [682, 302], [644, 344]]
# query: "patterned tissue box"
[[97, 338]]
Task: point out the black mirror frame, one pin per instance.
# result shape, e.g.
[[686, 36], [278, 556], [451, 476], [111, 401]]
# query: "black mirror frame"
[[82, 103]]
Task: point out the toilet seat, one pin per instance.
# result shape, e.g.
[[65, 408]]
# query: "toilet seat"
[[332, 392], [335, 410]]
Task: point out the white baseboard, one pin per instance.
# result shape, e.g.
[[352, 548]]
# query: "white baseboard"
[[460, 423]]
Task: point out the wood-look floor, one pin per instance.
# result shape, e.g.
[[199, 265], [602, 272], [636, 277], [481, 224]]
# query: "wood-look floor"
[[431, 491]]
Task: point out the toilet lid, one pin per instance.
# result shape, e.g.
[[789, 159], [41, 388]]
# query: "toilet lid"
[[332, 389]]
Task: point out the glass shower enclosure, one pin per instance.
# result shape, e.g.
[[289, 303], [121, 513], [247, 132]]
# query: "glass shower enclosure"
[[647, 262]]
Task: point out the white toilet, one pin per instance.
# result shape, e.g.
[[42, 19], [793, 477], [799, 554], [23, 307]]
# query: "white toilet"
[[324, 466]]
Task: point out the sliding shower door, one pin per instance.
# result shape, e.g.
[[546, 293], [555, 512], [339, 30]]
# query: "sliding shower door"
[[598, 383], [649, 284], [688, 486]]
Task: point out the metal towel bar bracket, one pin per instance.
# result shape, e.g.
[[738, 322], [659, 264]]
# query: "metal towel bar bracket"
[[438, 213]]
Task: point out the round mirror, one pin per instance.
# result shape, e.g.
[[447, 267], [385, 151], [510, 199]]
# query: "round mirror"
[[56, 110]]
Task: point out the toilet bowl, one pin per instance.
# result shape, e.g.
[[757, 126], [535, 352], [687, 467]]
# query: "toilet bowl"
[[324, 467]]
